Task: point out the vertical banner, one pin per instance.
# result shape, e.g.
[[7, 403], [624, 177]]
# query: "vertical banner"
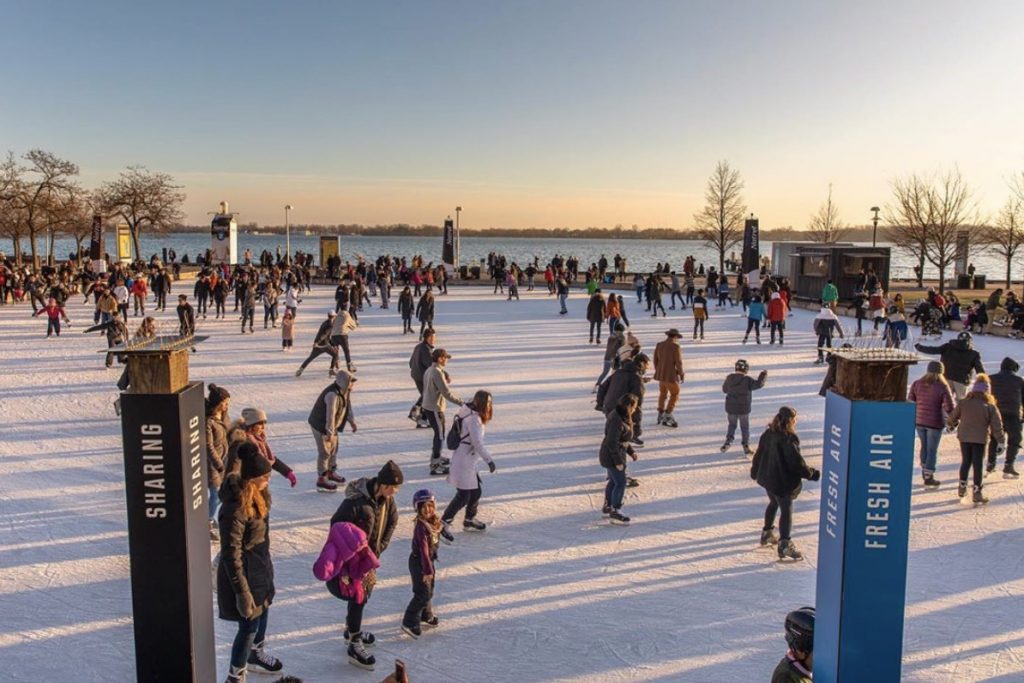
[[751, 258], [863, 534], [164, 438], [224, 239], [448, 246], [963, 241], [96, 245], [124, 243], [330, 246]]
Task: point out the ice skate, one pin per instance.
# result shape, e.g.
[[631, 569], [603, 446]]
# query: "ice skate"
[[669, 421], [618, 519], [661, 418], [429, 622], [358, 656], [787, 550], [768, 537], [236, 675], [606, 510], [725, 446], [990, 467], [261, 662], [930, 481], [473, 525], [325, 485], [747, 450], [332, 475], [438, 468], [421, 423], [446, 534], [1010, 473], [298, 373], [979, 498], [366, 637], [412, 630], [961, 489], [637, 442], [632, 483]]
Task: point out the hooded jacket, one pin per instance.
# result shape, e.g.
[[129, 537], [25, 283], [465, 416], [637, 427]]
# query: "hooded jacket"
[[375, 517], [826, 323], [216, 450], [626, 380], [1008, 388], [958, 359], [618, 433], [332, 407], [738, 387], [470, 452], [245, 568], [425, 309], [778, 465], [346, 554], [343, 324], [776, 308]]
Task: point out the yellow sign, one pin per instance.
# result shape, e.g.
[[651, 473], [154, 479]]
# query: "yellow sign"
[[124, 243], [330, 246]]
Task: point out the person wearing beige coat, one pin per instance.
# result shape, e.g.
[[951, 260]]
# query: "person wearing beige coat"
[[668, 370], [974, 418]]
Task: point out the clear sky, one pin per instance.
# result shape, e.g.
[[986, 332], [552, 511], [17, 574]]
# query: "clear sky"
[[530, 113]]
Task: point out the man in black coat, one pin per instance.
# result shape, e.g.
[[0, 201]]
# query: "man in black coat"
[[420, 360], [958, 359], [370, 505], [628, 379], [322, 344], [1008, 389], [595, 314]]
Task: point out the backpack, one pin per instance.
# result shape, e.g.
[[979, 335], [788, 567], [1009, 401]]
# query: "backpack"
[[455, 437]]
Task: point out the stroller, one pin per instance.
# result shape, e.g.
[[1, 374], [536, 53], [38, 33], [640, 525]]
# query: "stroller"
[[931, 322]]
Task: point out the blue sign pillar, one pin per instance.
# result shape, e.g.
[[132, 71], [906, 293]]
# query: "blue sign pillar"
[[866, 478]]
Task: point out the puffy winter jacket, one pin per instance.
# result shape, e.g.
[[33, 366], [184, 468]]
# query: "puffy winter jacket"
[[933, 402], [755, 311], [346, 554], [595, 309], [777, 310], [625, 380], [216, 450], [738, 387], [378, 518], [778, 465], [470, 452], [1008, 387], [974, 418], [958, 359], [618, 432], [245, 568]]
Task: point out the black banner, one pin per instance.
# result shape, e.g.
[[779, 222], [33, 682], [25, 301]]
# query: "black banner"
[[751, 252], [963, 243], [96, 247], [448, 247], [168, 535]]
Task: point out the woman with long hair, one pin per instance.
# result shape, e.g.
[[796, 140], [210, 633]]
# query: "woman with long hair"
[[778, 466], [934, 400], [471, 421], [618, 435], [245, 574], [975, 417]]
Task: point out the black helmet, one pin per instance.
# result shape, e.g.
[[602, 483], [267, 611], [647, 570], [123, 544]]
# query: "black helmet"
[[742, 365], [966, 337], [800, 629]]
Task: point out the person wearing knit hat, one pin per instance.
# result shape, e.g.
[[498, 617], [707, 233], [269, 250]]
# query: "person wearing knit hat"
[[778, 466], [933, 401], [1008, 390], [370, 505], [254, 429], [245, 574], [976, 420]]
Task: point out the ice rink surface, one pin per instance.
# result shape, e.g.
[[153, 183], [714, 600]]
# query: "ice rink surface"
[[550, 591]]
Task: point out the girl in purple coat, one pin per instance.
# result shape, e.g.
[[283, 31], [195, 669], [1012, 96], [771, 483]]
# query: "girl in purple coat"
[[934, 402], [425, 539]]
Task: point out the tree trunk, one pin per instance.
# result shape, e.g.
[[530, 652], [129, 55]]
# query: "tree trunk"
[[721, 260], [135, 242], [1008, 287], [78, 247], [942, 279], [920, 277], [49, 253], [17, 249], [32, 243]]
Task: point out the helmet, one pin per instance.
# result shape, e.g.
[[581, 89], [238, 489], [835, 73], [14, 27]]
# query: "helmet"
[[422, 496], [800, 629], [965, 337], [742, 365]]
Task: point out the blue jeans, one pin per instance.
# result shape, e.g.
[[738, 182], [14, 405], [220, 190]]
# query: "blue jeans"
[[604, 372], [249, 631], [214, 502], [930, 439], [616, 487], [561, 301], [640, 294]]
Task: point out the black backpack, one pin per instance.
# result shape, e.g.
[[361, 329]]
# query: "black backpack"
[[455, 436]]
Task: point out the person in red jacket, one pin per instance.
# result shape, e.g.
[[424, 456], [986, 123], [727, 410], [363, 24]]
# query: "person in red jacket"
[[778, 309], [53, 313], [139, 293]]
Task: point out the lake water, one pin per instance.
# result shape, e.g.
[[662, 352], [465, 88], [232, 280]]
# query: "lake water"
[[640, 254]]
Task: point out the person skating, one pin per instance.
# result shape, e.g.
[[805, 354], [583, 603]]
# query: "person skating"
[[778, 467], [669, 373], [435, 392], [217, 403], [472, 419], [595, 314], [1008, 390], [755, 314], [186, 317], [628, 379], [344, 564], [826, 324], [248, 305], [611, 351], [616, 446], [342, 324], [287, 331], [321, 345], [797, 665], [406, 306], [245, 573], [370, 505], [332, 409], [419, 362], [54, 312], [425, 539], [562, 287], [700, 313], [959, 359], [738, 388], [777, 313], [976, 420], [425, 312], [933, 403]]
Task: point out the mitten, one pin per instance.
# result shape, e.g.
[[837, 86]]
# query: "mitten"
[[492, 467], [815, 475]]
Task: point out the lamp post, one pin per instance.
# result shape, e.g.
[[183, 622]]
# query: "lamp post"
[[458, 210], [874, 230], [287, 235]]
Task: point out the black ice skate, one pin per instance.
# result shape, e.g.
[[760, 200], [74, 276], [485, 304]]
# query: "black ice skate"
[[366, 637], [473, 525], [618, 518], [438, 468], [431, 622], [930, 481], [747, 451], [262, 662], [725, 446], [446, 534], [979, 498], [669, 421], [412, 630], [788, 551], [358, 656], [1010, 473], [768, 537], [961, 489]]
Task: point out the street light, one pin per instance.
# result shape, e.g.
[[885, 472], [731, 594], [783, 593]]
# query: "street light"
[[458, 210], [874, 231], [287, 235]]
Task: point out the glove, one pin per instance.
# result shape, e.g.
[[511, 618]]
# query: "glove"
[[491, 466], [815, 475], [292, 479], [246, 607]]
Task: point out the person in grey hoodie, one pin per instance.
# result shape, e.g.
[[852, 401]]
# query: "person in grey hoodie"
[[1008, 390], [332, 409], [435, 393], [738, 387]]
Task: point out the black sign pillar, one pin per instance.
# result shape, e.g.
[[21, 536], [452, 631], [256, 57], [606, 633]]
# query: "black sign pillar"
[[448, 245], [96, 244], [168, 532], [751, 258]]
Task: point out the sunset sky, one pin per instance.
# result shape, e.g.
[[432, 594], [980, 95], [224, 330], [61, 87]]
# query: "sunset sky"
[[552, 113]]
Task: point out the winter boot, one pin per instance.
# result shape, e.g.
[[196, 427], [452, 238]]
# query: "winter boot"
[[438, 468], [788, 550], [930, 481], [669, 421], [262, 662], [618, 518], [961, 489], [768, 537], [235, 675], [473, 525], [365, 637], [979, 497], [325, 485], [358, 656], [332, 475], [1010, 473]]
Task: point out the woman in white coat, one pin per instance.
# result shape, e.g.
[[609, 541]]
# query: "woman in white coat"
[[473, 418]]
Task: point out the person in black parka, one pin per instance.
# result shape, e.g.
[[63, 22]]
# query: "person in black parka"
[[595, 314], [778, 466], [628, 379], [245, 574], [959, 359], [1008, 390]]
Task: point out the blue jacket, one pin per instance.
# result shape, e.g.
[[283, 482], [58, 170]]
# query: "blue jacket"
[[755, 311]]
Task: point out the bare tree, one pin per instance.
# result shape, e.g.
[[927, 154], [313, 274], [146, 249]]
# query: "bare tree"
[[1005, 237], [927, 214], [73, 216], [143, 199], [720, 222], [12, 216], [44, 180], [824, 225]]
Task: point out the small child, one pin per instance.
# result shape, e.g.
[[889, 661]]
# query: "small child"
[[755, 314], [53, 313], [796, 666], [425, 538], [700, 313], [287, 331], [738, 388]]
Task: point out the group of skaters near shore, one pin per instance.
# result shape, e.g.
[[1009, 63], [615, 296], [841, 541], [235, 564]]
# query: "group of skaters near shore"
[[954, 394]]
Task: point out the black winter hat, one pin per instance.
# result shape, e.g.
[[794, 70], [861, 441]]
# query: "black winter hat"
[[253, 463], [786, 413], [1009, 365], [217, 395], [390, 474]]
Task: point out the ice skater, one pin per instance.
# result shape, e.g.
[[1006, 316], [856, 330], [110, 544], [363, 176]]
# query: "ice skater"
[[738, 388]]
